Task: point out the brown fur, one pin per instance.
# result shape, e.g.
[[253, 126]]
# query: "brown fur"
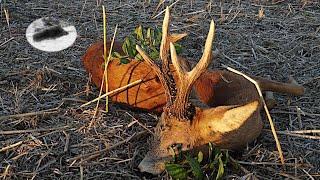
[[235, 98], [214, 88], [233, 121], [149, 95]]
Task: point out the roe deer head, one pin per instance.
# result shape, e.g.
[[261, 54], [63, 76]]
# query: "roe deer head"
[[183, 126]]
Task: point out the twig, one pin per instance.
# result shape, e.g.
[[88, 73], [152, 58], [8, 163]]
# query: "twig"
[[81, 172], [299, 111], [254, 54], [305, 131], [83, 6], [143, 126], [66, 146], [46, 165], [107, 148], [266, 110], [113, 92], [6, 172], [234, 17], [106, 61], [272, 164], [241, 167], [287, 112], [18, 156], [308, 174], [44, 112], [165, 9], [11, 146], [31, 130], [6, 41], [6, 13], [229, 58], [298, 135], [89, 158], [105, 74], [74, 100]]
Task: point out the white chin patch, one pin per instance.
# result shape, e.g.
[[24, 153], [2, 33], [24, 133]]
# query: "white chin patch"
[[50, 34]]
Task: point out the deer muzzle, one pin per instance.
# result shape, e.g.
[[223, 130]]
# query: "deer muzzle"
[[152, 164]]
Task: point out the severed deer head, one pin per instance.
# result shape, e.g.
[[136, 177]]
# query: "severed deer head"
[[183, 126]]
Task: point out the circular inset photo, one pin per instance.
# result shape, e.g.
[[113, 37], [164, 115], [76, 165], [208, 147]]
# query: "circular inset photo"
[[50, 34]]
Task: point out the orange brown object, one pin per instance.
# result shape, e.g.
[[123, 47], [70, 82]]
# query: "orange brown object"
[[149, 95]]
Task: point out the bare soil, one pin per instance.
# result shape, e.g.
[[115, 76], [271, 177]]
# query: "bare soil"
[[44, 134]]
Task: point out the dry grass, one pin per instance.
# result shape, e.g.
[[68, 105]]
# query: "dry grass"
[[259, 38]]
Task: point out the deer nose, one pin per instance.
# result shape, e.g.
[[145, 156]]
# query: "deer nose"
[[142, 168], [150, 166]]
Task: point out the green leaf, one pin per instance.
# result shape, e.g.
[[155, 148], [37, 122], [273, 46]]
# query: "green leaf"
[[138, 57], [216, 153], [158, 35], [154, 42], [116, 55], [130, 47], [126, 45], [178, 48], [226, 160], [133, 47], [143, 46], [176, 171], [212, 166], [124, 60], [210, 151], [148, 39], [132, 52], [200, 156], [220, 170], [138, 32], [195, 167], [149, 36], [154, 54]]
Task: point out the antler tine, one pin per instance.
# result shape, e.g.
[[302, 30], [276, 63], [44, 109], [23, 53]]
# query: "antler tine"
[[202, 64], [175, 62], [183, 109], [206, 56], [163, 72], [165, 38]]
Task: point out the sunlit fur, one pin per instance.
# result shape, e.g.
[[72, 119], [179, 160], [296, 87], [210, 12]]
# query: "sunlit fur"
[[232, 122]]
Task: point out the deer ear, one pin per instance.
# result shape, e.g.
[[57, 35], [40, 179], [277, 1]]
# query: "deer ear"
[[229, 118]]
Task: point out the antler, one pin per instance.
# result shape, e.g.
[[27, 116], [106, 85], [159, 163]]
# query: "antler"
[[164, 73], [177, 95], [186, 79]]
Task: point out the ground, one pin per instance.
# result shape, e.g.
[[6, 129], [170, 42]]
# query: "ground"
[[44, 134]]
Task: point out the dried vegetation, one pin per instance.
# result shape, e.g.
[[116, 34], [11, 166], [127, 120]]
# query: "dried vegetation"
[[44, 134]]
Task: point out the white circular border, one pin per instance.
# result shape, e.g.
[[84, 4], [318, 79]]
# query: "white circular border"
[[51, 45]]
